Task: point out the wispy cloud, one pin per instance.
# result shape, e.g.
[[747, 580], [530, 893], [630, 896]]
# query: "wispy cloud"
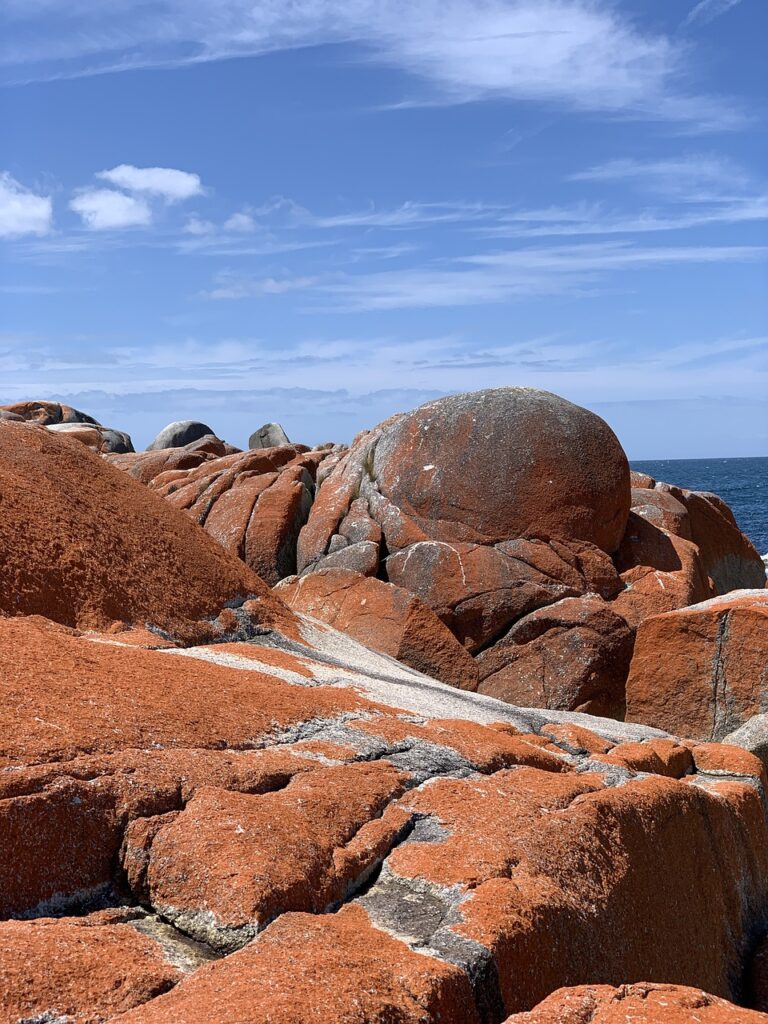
[[708, 10], [584, 220], [673, 175], [22, 211], [574, 54], [485, 278]]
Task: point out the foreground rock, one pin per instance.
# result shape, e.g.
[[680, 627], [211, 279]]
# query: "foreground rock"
[[86, 546], [404, 851], [78, 969], [702, 670], [385, 618], [638, 1004]]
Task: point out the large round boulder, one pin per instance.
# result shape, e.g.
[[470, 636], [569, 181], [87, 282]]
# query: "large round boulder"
[[491, 465], [179, 434]]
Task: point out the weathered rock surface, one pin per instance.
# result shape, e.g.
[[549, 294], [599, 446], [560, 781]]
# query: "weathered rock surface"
[[702, 671], [573, 655], [434, 474], [47, 413], [77, 970], [179, 434], [385, 618], [636, 1004], [253, 503], [271, 435], [86, 546], [100, 439], [397, 866]]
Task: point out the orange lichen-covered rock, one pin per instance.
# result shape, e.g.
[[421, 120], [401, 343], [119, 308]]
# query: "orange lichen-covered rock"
[[384, 617], [231, 862], [661, 571], [700, 671], [573, 655], [67, 971], [728, 557], [659, 757], [47, 413], [253, 503], [479, 505], [645, 858], [62, 696], [662, 509], [640, 1003], [84, 545], [479, 590], [442, 465], [332, 969]]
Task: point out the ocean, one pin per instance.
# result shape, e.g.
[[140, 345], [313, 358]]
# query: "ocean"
[[743, 483]]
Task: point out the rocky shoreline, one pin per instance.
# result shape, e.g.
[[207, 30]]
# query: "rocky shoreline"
[[465, 722]]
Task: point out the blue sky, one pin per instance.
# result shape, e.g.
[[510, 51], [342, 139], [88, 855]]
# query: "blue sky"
[[325, 211]]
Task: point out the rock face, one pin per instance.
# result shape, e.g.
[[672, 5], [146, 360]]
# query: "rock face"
[[78, 969], [395, 866], [485, 506], [178, 434], [702, 670], [638, 1004], [47, 413], [572, 655], [253, 503], [100, 439], [385, 618], [86, 546], [435, 474], [486, 510], [271, 435]]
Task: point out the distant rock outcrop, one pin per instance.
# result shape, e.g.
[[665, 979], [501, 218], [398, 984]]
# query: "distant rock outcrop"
[[179, 434], [271, 435]]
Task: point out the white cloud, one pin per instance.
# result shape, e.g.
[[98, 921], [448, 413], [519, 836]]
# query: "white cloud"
[[708, 10], [495, 277], [519, 273], [576, 54], [166, 182], [672, 175], [23, 212], [241, 222], [584, 220], [102, 209], [232, 287], [196, 226]]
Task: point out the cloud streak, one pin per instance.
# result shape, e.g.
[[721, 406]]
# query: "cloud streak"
[[707, 10], [487, 278], [574, 54]]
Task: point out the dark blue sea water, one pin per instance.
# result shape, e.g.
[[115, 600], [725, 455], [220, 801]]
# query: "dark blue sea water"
[[743, 483]]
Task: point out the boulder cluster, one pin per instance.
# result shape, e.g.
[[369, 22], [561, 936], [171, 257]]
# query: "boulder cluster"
[[464, 723]]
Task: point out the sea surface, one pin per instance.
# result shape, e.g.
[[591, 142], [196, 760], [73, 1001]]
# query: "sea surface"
[[742, 483]]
